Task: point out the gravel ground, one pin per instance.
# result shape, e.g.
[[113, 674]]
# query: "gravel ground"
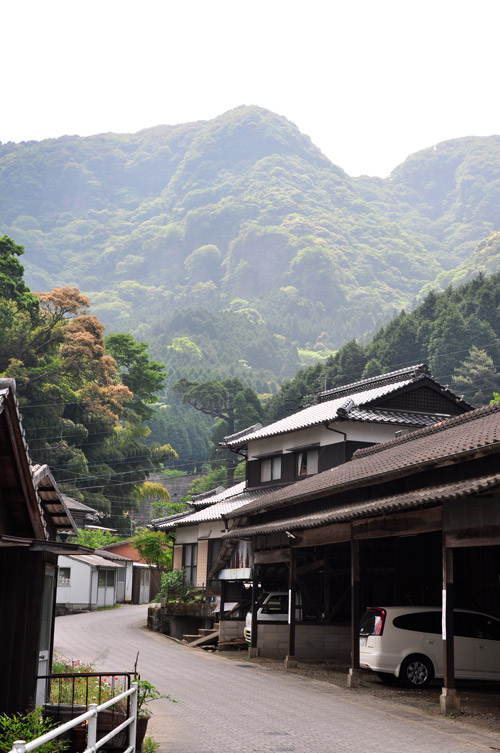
[[480, 702]]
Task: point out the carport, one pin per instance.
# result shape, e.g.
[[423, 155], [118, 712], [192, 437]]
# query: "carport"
[[418, 518]]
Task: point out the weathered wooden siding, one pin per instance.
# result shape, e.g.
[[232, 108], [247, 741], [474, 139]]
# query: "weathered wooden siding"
[[201, 572]]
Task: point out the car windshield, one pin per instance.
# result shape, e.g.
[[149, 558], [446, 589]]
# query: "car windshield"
[[372, 622]]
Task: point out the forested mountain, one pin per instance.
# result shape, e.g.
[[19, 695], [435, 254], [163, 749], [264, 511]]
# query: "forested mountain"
[[236, 250], [456, 332], [228, 245]]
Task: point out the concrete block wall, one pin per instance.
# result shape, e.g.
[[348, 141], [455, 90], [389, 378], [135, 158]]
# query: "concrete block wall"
[[231, 629], [312, 642]]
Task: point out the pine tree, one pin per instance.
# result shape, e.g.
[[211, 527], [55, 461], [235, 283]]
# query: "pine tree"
[[476, 378]]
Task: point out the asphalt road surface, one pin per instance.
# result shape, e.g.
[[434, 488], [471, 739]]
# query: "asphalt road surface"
[[233, 706]]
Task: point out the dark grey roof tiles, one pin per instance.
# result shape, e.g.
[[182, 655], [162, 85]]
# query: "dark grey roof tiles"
[[397, 502], [349, 403], [468, 434]]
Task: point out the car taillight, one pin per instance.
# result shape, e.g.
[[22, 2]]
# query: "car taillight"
[[380, 622]]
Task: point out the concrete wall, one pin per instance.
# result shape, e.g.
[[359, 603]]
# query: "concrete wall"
[[312, 642]]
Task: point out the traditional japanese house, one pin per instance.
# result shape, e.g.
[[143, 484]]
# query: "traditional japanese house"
[[415, 520]]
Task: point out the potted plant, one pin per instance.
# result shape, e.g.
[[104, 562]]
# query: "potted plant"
[[146, 692]]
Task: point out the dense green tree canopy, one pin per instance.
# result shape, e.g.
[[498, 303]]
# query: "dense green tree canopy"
[[79, 414]]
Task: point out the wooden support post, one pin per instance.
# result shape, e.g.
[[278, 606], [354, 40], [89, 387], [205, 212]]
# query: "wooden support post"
[[326, 584], [449, 701], [290, 660], [354, 677], [223, 592], [254, 651]]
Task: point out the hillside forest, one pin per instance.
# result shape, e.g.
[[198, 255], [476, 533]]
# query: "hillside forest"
[[204, 276]]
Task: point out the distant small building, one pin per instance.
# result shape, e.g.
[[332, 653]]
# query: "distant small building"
[[146, 579], [87, 583]]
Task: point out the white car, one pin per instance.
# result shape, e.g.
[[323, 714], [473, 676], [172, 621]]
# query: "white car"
[[405, 644], [273, 607]]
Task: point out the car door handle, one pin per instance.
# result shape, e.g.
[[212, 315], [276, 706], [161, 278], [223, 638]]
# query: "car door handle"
[[483, 648], [432, 643]]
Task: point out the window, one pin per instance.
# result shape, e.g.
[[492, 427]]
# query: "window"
[[189, 562], [63, 576], [478, 626], [420, 622], [270, 469], [106, 578], [306, 462], [276, 605]]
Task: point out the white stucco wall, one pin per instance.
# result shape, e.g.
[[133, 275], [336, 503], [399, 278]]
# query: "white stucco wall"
[[206, 530], [355, 431]]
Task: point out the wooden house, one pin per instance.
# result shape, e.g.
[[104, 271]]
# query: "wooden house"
[[293, 450]]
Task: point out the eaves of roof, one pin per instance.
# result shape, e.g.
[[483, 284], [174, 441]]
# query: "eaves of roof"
[[219, 511], [469, 434], [345, 406], [384, 505]]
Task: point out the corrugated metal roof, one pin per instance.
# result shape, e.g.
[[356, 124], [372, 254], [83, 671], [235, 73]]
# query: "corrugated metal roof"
[[95, 561], [394, 503], [467, 434]]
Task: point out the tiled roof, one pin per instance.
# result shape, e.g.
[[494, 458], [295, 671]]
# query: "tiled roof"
[[394, 503], [410, 372], [49, 500], [74, 504], [349, 402], [217, 495], [400, 418], [471, 433], [217, 511]]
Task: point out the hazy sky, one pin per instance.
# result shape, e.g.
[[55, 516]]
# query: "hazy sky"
[[370, 81]]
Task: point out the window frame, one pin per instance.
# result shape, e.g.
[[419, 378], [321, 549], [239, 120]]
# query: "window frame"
[[275, 468], [308, 458], [64, 580], [190, 563]]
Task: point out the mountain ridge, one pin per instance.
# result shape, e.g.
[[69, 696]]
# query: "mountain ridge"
[[244, 214]]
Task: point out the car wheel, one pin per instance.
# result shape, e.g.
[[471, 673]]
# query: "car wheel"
[[416, 671], [387, 678]]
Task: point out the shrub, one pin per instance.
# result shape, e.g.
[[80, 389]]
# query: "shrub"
[[28, 727]]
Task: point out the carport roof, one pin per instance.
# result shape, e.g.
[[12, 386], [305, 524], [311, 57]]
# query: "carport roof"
[[470, 434], [389, 504]]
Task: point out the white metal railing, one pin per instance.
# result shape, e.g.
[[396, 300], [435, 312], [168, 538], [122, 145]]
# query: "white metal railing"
[[90, 716]]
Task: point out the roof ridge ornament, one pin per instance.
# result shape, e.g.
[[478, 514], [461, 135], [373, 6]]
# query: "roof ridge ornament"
[[414, 372]]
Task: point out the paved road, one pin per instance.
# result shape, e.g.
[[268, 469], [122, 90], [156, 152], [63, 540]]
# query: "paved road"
[[230, 705]]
